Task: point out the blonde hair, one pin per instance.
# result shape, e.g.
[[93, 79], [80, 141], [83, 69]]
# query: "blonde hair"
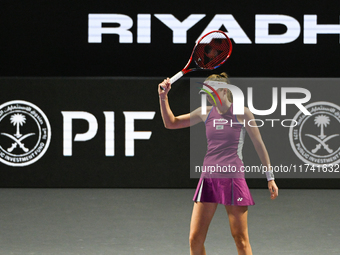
[[224, 78]]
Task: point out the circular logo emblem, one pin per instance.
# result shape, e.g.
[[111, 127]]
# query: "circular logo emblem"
[[315, 138], [25, 133]]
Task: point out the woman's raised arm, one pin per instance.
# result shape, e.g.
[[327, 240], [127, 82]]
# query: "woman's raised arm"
[[170, 121]]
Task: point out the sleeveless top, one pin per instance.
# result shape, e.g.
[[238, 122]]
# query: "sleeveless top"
[[225, 138]]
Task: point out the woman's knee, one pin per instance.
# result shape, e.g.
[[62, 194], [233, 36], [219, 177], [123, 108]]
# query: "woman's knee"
[[241, 240], [196, 240]]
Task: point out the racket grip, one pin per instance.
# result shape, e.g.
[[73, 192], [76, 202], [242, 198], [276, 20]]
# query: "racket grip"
[[176, 77]]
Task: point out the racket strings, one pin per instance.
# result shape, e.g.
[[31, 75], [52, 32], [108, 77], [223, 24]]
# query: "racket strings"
[[212, 50]]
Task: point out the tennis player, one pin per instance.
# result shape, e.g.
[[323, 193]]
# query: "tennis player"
[[224, 148]]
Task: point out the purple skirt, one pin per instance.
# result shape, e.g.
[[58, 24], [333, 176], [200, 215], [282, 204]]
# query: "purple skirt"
[[226, 191]]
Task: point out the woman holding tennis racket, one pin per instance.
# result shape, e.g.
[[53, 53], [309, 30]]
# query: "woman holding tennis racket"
[[224, 147]]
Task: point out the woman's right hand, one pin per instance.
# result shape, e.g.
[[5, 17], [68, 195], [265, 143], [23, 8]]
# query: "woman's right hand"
[[166, 85]]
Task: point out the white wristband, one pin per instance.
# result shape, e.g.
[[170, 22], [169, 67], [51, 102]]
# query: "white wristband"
[[270, 175]]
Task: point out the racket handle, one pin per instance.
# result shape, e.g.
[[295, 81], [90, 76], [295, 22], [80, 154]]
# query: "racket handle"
[[176, 77]]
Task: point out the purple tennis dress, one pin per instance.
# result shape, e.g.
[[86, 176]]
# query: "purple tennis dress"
[[222, 179]]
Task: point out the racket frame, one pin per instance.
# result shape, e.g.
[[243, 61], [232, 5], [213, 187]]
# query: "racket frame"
[[186, 70]]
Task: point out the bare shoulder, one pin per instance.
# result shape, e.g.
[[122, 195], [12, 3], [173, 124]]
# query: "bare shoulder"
[[246, 116], [203, 116], [247, 113], [246, 110]]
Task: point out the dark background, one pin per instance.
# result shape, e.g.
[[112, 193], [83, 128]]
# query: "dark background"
[[45, 59], [49, 38]]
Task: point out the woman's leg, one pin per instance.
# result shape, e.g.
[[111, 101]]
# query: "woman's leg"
[[239, 228], [202, 214]]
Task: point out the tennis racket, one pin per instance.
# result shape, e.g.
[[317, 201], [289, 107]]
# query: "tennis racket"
[[210, 51]]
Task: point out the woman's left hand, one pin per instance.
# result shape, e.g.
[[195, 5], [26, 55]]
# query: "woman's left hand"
[[273, 189]]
